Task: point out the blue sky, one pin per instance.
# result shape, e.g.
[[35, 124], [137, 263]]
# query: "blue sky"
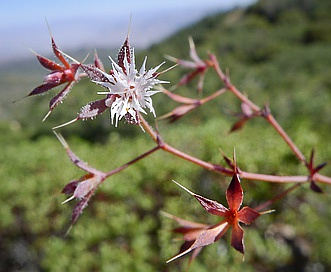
[[95, 23]]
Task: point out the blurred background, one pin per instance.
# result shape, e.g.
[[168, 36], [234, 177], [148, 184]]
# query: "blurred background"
[[277, 52]]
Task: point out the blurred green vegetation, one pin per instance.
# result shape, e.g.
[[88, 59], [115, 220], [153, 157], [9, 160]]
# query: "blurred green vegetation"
[[277, 52]]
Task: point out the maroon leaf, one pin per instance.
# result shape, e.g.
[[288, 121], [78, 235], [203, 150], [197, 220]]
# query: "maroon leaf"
[[239, 124], [179, 98], [94, 73], [94, 108], [43, 88], [314, 187], [212, 206], [234, 193], [178, 112], [60, 96], [237, 238], [125, 52], [70, 187], [313, 170], [59, 54], [228, 161], [319, 167], [247, 215], [98, 63], [49, 64], [80, 206]]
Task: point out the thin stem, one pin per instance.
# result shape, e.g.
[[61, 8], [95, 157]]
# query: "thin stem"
[[148, 128], [201, 163], [119, 169], [212, 96], [272, 178], [226, 171], [321, 178], [266, 204], [232, 88], [269, 117]]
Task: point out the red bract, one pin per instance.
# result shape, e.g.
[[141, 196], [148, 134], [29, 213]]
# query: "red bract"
[[190, 104], [60, 74], [199, 67], [312, 171], [190, 231], [232, 217], [246, 114], [83, 188]]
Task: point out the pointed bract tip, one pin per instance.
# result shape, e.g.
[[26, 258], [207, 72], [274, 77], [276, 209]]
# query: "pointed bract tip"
[[235, 161], [173, 59], [67, 200], [179, 255], [47, 114], [166, 214], [61, 139], [69, 229], [129, 28], [33, 52], [71, 58], [184, 188], [168, 69], [191, 42], [65, 124], [49, 28], [19, 99], [266, 212]]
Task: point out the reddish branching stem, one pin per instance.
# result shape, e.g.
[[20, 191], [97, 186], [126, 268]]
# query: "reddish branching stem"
[[223, 170], [124, 166]]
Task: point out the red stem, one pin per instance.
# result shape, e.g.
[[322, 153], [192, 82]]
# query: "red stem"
[[268, 116], [266, 204], [286, 138], [119, 169], [226, 171]]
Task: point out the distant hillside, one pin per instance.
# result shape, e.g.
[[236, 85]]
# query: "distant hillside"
[[278, 52]]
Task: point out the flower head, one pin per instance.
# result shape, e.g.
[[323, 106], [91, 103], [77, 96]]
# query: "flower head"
[[130, 88]]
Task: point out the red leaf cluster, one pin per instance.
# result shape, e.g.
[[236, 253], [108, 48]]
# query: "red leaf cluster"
[[233, 216], [60, 74]]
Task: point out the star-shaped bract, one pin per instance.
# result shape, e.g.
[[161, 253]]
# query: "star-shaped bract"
[[83, 188], [190, 231], [199, 66], [233, 216], [60, 74]]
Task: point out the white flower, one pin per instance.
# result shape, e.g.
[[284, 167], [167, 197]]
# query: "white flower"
[[132, 89]]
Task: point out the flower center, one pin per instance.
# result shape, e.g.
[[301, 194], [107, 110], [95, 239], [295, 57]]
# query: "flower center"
[[231, 216]]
